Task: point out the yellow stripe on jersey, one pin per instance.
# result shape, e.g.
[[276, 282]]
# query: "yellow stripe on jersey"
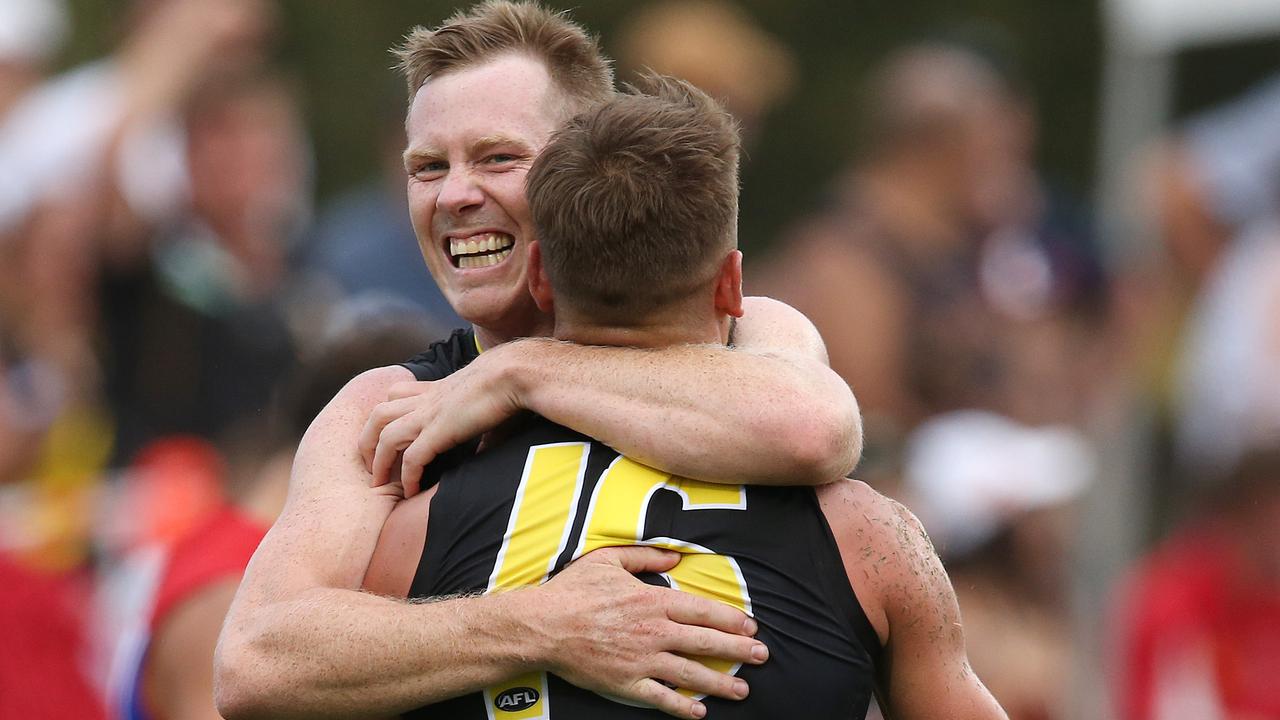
[[617, 517], [537, 533], [542, 519], [542, 515]]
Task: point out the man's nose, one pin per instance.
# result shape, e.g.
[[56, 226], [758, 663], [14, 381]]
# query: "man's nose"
[[459, 193]]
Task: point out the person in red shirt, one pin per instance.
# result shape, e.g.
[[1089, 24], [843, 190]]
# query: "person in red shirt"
[[43, 641], [168, 671], [1200, 619]]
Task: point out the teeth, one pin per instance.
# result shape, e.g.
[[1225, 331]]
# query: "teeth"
[[481, 250], [490, 242]]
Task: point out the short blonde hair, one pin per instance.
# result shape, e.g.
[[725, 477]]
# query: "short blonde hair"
[[495, 27]]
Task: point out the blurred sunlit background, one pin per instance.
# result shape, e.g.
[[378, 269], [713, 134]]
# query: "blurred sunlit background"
[[1041, 241]]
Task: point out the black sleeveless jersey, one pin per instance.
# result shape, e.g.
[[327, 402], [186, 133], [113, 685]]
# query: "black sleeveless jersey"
[[521, 510], [445, 357]]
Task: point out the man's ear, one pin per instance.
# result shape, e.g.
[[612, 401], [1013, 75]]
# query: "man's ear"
[[539, 284], [729, 285]]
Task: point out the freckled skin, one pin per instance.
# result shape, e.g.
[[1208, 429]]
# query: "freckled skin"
[[907, 596]]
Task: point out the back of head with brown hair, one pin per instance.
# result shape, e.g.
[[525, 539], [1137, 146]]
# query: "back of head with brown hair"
[[635, 202], [497, 27]]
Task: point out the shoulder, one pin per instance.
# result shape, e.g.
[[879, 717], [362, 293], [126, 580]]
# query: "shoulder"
[[857, 506], [356, 399], [368, 384], [772, 325], [888, 555], [330, 447], [769, 309]]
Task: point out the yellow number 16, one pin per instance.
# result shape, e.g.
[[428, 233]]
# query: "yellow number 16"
[[539, 531]]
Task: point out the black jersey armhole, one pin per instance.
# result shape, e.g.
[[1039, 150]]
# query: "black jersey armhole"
[[444, 357], [841, 591]]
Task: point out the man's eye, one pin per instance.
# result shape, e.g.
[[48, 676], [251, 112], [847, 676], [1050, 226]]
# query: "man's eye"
[[430, 169], [500, 158]]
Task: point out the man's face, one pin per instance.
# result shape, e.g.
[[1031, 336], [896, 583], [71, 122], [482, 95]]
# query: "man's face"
[[472, 136]]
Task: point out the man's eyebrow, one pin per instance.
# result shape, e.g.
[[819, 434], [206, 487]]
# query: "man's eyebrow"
[[413, 155], [488, 142], [480, 146]]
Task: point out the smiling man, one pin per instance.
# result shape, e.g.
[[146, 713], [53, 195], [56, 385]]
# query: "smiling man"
[[656, 176], [488, 88]]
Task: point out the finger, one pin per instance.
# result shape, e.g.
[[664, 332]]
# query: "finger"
[[407, 389], [413, 460], [410, 488], [652, 692], [394, 438], [368, 442], [689, 609], [382, 414], [705, 642], [695, 677], [636, 558]]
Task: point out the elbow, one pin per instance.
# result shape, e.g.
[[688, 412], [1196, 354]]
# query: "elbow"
[[828, 441], [238, 692]]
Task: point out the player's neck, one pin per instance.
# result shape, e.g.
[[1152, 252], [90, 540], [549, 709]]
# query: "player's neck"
[[490, 335], [657, 333]]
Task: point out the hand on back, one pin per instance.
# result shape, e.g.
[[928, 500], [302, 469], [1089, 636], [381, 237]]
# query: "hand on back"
[[618, 636]]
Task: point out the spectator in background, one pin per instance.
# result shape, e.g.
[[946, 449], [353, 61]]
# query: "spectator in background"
[[364, 240], [942, 273], [110, 121], [716, 46], [1197, 620], [1215, 189], [197, 329], [112, 118], [998, 498], [41, 664], [166, 655], [1199, 623]]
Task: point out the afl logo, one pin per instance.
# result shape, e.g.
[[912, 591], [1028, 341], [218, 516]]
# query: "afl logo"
[[516, 699]]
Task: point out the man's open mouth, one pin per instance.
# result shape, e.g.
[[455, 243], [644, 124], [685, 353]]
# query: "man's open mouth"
[[481, 250]]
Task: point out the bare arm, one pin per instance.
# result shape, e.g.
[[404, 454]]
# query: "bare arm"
[[905, 591], [301, 640], [178, 675], [695, 411]]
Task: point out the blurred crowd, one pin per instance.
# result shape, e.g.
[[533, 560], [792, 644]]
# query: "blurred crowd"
[[174, 308]]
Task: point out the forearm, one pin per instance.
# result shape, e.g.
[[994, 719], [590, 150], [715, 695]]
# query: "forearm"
[[957, 695], [341, 653], [698, 411]]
